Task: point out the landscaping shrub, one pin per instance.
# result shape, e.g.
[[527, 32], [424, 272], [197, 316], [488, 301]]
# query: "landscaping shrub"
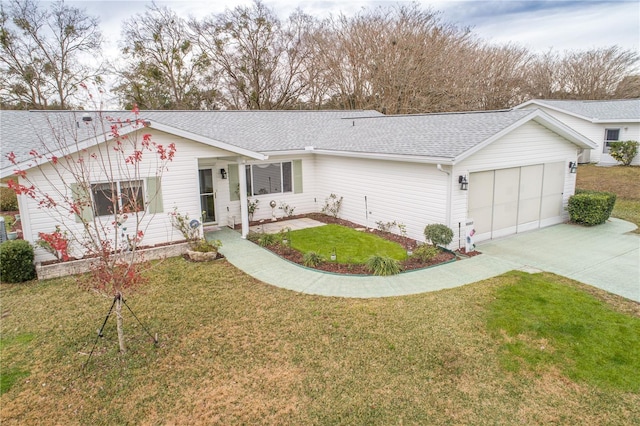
[[611, 198], [589, 208], [16, 261], [268, 239], [312, 259], [438, 234], [425, 252], [383, 265], [8, 200], [623, 151]]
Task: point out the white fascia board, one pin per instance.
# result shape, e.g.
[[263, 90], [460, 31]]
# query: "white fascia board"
[[541, 118], [555, 108], [580, 116], [386, 157], [270, 154], [208, 141]]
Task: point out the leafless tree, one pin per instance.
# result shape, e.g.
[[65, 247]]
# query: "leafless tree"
[[41, 62], [164, 69], [262, 62]]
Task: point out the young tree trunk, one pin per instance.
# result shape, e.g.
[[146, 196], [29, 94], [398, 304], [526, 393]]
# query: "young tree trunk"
[[120, 327]]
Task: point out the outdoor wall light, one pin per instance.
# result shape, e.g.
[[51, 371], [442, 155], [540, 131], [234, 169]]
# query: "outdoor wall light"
[[573, 167], [223, 173], [464, 184]]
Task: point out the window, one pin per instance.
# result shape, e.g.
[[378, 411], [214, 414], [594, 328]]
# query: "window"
[[610, 135], [270, 178], [128, 196]]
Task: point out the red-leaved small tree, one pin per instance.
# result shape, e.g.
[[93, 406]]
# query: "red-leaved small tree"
[[88, 175]]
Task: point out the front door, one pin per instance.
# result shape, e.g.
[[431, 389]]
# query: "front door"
[[207, 196]]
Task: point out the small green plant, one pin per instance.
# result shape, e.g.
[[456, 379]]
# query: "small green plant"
[[287, 209], [189, 228], [16, 261], [252, 206], [402, 228], [8, 200], [332, 205], [425, 252], [623, 151], [386, 226], [438, 234], [205, 246], [591, 208], [265, 240], [383, 265], [312, 259]]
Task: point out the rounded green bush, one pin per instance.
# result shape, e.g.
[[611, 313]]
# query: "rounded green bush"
[[438, 234], [425, 252], [8, 200], [589, 208], [16, 261]]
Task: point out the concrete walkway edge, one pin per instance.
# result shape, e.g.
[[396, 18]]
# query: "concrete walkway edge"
[[565, 249]]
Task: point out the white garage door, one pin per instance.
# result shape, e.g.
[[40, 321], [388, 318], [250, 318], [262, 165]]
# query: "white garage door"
[[507, 201]]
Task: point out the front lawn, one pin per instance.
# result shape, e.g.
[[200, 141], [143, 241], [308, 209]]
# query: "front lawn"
[[351, 246], [622, 181], [236, 351]]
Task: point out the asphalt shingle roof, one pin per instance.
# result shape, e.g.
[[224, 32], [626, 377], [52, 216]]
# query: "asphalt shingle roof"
[[430, 135], [614, 110]]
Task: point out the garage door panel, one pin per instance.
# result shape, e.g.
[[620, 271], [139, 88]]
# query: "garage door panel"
[[552, 189], [530, 197], [481, 201], [505, 208]]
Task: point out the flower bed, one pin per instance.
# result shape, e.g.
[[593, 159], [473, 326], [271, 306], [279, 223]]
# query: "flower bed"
[[411, 263]]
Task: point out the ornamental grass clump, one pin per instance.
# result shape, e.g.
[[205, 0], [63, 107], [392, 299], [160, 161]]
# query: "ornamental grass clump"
[[383, 265], [312, 259]]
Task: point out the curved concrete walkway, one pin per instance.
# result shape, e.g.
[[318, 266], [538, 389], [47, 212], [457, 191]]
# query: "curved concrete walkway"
[[605, 256]]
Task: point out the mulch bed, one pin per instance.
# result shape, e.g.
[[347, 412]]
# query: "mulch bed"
[[356, 269]]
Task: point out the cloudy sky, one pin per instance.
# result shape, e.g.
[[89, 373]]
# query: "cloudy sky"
[[537, 25]]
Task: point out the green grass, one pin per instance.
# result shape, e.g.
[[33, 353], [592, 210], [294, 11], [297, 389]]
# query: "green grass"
[[11, 373], [233, 350], [351, 246], [550, 324], [623, 181]]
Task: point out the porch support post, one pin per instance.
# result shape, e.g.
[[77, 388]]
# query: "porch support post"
[[244, 208]]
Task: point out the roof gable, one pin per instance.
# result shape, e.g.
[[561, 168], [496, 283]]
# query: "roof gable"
[[605, 111]]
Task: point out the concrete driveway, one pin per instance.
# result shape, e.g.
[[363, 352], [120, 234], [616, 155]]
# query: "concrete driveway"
[[606, 256]]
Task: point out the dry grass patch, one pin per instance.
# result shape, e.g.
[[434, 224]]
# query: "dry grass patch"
[[622, 181], [236, 351]]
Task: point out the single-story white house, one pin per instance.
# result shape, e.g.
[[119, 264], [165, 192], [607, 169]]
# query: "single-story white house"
[[507, 171], [601, 121]]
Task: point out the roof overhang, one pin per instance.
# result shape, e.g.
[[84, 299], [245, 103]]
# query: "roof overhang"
[[536, 102], [366, 155], [543, 119], [125, 130], [207, 141]]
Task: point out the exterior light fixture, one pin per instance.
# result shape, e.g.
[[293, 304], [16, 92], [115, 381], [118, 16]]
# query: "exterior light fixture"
[[573, 167], [223, 173], [464, 184]]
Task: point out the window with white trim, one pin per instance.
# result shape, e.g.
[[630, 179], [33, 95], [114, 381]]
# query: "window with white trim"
[[269, 178], [124, 196], [610, 135]]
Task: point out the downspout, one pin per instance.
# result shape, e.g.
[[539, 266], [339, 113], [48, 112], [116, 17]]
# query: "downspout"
[[244, 207], [448, 206]]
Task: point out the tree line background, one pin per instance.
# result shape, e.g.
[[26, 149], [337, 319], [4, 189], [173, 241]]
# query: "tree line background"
[[398, 60]]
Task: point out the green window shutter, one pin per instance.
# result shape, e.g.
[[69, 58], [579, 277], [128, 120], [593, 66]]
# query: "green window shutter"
[[297, 176], [233, 182], [83, 199], [154, 195]]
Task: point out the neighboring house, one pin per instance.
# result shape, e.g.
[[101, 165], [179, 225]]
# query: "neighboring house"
[[388, 168], [601, 121]]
